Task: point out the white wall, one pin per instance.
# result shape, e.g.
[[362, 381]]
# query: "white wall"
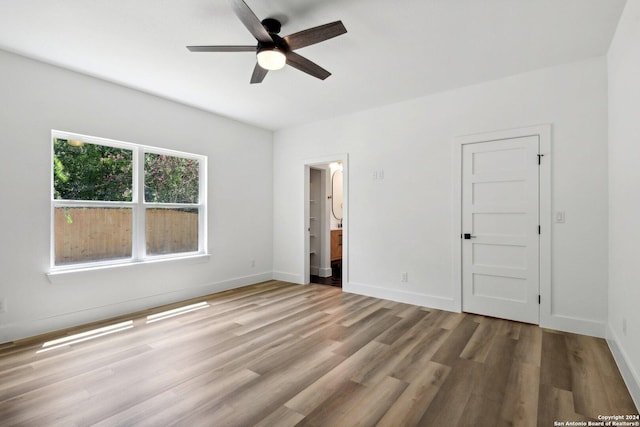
[[624, 195], [35, 98], [404, 222]]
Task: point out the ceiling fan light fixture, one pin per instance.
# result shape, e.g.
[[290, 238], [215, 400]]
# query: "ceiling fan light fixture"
[[271, 58], [273, 51]]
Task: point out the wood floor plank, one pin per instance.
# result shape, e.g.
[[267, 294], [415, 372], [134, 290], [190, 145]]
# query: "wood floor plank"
[[412, 404], [496, 369], [371, 405], [317, 393], [268, 392], [557, 405], [281, 354], [285, 308], [421, 354], [203, 396], [554, 368], [529, 347], [448, 320], [18, 411], [153, 411], [290, 353], [282, 416], [480, 411], [395, 355], [520, 404], [547, 412], [480, 343], [509, 328], [407, 322], [450, 351], [295, 317], [366, 330], [41, 378], [592, 400], [446, 409], [337, 405], [181, 404], [614, 385]]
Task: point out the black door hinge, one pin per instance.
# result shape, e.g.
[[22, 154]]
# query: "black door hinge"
[[539, 299], [539, 230], [540, 158]]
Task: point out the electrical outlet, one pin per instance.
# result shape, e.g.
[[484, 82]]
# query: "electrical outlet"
[[3, 304], [560, 217], [624, 325], [404, 277]]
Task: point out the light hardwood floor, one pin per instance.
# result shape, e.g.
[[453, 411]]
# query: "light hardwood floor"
[[277, 354]]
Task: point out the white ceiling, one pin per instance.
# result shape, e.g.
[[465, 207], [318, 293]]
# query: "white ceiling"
[[393, 51]]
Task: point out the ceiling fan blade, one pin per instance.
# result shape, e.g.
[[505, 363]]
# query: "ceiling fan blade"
[[315, 35], [222, 48], [251, 21], [306, 66], [258, 75]]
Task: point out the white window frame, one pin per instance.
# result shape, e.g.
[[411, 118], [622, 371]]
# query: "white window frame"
[[138, 205]]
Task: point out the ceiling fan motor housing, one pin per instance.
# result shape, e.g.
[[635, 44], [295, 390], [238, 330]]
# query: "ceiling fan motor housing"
[[278, 43], [272, 25]]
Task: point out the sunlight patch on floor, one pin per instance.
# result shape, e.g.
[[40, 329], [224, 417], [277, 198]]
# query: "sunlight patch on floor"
[[176, 312], [85, 336]]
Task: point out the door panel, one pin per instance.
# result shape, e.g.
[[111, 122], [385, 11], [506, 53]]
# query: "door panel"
[[507, 256], [499, 223], [505, 288], [500, 204]]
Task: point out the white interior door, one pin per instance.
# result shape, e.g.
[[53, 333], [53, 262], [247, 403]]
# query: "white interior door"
[[500, 226]]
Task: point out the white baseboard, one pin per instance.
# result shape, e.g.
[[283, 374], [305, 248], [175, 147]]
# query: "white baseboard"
[[288, 277], [629, 374], [406, 297], [15, 331], [325, 272], [574, 325]]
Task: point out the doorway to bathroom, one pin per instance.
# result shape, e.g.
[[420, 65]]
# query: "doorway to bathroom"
[[325, 221]]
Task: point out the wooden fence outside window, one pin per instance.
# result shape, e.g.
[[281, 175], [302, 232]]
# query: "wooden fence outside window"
[[96, 234]]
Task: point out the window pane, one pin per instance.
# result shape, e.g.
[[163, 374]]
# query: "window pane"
[[83, 171], [92, 234], [171, 231], [170, 179]]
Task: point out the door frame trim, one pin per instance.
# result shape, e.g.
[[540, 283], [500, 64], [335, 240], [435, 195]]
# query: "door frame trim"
[[308, 164], [543, 131]]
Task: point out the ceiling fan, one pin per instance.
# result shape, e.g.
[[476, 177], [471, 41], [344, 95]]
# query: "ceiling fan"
[[273, 51]]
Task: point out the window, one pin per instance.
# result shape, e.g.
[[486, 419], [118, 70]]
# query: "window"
[[116, 202]]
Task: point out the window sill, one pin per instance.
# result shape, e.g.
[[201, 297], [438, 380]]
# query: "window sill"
[[56, 275]]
